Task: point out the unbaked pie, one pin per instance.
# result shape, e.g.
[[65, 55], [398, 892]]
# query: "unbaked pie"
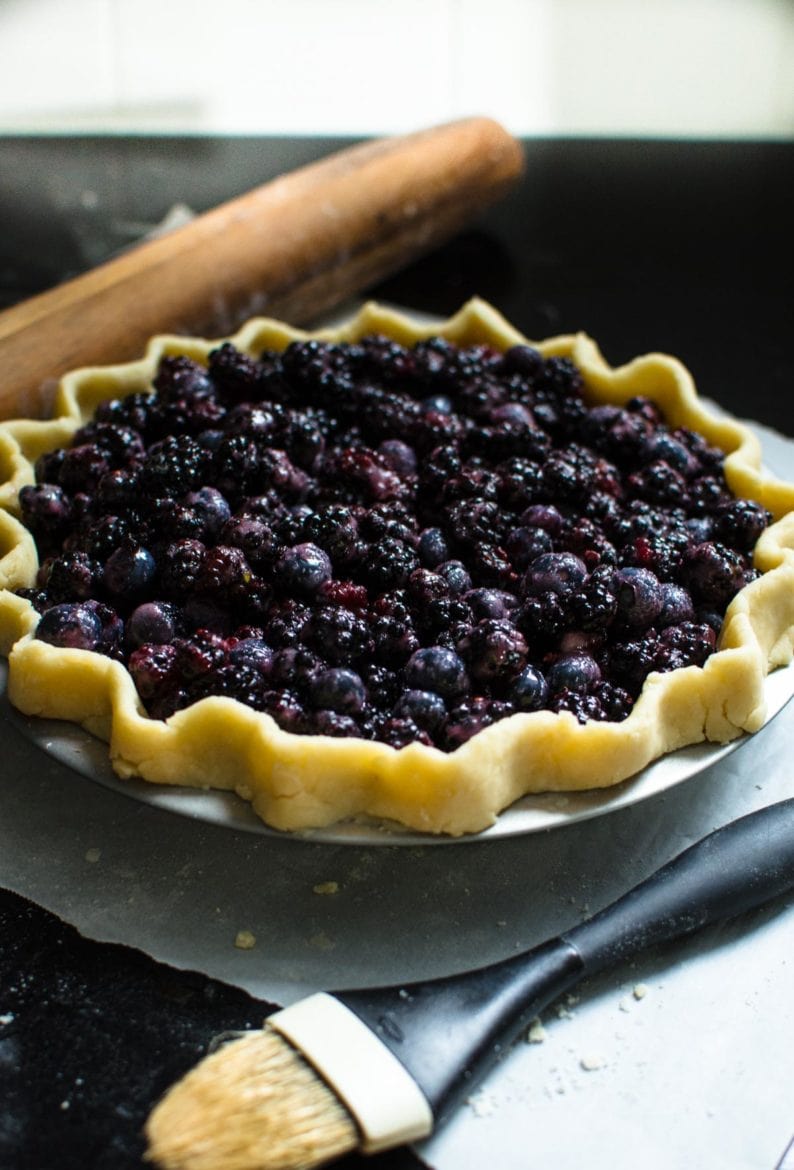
[[394, 571]]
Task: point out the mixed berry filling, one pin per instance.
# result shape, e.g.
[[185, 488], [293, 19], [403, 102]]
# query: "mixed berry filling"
[[396, 544]]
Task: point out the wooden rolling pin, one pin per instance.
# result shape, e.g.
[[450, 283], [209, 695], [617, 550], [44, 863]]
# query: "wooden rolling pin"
[[292, 248]]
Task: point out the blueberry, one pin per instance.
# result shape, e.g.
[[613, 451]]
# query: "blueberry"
[[129, 571], [212, 508], [524, 360], [153, 621], [529, 690], [555, 572], [426, 708], [339, 689], [71, 625], [438, 404], [435, 668], [544, 516], [303, 568], [676, 606], [46, 508], [512, 412], [456, 576], [525, 543], [639, 598], [573, 672], [490, 603], [432, 547], [398, 457]]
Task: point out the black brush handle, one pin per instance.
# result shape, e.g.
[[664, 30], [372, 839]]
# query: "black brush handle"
[[448, 1032], [733, 869]]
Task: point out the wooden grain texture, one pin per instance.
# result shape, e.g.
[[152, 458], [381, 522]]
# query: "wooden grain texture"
[[292, 248]]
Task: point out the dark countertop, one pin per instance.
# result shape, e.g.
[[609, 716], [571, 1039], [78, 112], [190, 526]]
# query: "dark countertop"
[[653, 245]]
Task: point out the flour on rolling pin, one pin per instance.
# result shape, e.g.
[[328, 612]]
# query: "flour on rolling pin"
[[292, 248]]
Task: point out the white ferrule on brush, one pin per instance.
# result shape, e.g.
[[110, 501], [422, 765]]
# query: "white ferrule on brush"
[[387, 1104]]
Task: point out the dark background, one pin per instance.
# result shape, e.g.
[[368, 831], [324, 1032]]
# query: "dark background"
[[646, 245]]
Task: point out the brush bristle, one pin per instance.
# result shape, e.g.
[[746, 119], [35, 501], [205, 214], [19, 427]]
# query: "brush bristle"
[[255, 1104]]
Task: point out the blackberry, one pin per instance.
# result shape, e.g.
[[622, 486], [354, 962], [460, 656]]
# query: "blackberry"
[[394, 638], [582, 705], [198, 654], [70, 577], [383, 685], [180, 566], [628, 663], [287, 622], [519, 483], [255, 539], [237, 681], [252, 652], [285, 707], [713, 574], [223, 569], [686, 644], [295, 667], [235, 376], [616, 703], [339, 635], [400, 732], [153, 669], [595, 604], [740, 524], [346, 594], [469, 718], [389, 564], [174, 466]]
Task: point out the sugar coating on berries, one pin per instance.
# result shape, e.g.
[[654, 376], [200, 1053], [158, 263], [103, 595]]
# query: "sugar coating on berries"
[[374, 541]]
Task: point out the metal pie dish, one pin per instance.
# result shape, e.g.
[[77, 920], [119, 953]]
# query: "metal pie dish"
[[524, 772], [87, 756]]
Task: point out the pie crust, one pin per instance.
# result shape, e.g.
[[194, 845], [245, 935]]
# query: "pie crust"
[[299, 782]]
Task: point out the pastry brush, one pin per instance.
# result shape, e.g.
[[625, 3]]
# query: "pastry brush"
[[375, 1068]]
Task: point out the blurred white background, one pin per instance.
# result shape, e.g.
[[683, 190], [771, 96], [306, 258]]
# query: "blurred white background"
[[706, 68]]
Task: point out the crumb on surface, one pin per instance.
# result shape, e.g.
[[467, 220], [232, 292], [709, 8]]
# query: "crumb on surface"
[[591, 1062], [536, 1033], [482, 1104], [326, 888], [245, 940], [93, 854], [640, 990]]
